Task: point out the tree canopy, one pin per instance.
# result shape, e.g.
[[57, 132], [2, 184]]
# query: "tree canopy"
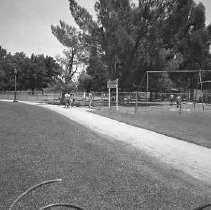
[[33, 73], [126, 40]]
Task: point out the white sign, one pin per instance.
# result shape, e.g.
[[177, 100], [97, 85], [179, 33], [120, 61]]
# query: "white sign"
[[112, 83]]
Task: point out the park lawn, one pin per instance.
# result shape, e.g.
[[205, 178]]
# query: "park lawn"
[[98, 173], [191, 126]]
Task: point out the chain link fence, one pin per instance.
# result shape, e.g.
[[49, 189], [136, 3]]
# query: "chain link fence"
[[29, 96], [126, 100]]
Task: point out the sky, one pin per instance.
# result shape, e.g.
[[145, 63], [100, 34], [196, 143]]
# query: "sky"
[[25, 25]]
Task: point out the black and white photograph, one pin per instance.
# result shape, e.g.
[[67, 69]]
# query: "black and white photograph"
[[105, 104]]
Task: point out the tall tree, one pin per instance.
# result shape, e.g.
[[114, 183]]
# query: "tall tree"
[[76, 52], [130, 40]]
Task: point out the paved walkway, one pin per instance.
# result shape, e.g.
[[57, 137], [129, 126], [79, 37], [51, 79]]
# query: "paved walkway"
[[190, 158]]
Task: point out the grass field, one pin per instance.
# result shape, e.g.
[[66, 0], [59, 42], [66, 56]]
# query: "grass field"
[[98, 173], [192, 125]]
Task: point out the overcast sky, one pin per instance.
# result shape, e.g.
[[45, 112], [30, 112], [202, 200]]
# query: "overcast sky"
[[25, 25]]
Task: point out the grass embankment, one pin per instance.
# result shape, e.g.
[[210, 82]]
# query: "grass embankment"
[[38, 145], [193, 126]]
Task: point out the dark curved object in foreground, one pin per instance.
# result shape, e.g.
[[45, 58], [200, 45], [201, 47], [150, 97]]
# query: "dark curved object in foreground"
[[31, 189], [62, 204], [203, 207]]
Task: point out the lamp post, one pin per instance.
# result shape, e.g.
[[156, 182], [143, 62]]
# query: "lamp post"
[[15, 94]]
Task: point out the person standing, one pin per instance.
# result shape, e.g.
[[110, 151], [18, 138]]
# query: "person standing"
[[67, 100], [171, 97], [90, 99], [178, 101], [72, 99]]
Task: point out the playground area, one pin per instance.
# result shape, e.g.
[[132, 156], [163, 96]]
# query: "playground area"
[[186, 107]]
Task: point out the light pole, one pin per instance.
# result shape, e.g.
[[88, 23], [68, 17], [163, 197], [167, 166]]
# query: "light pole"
[[15, 94]]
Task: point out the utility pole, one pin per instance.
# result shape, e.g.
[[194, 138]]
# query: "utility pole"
[[15, 94]]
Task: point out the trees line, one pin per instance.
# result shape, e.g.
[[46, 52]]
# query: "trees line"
[[33, 73], [124, 41]]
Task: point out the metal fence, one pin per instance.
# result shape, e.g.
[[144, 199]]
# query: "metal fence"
[[101, 99], [29, 96]]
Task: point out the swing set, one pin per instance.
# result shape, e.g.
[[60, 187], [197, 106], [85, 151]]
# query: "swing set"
[[194, 96]]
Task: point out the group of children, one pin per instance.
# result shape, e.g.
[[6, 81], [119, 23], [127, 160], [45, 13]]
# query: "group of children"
[[69, 100], [177, 99]]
